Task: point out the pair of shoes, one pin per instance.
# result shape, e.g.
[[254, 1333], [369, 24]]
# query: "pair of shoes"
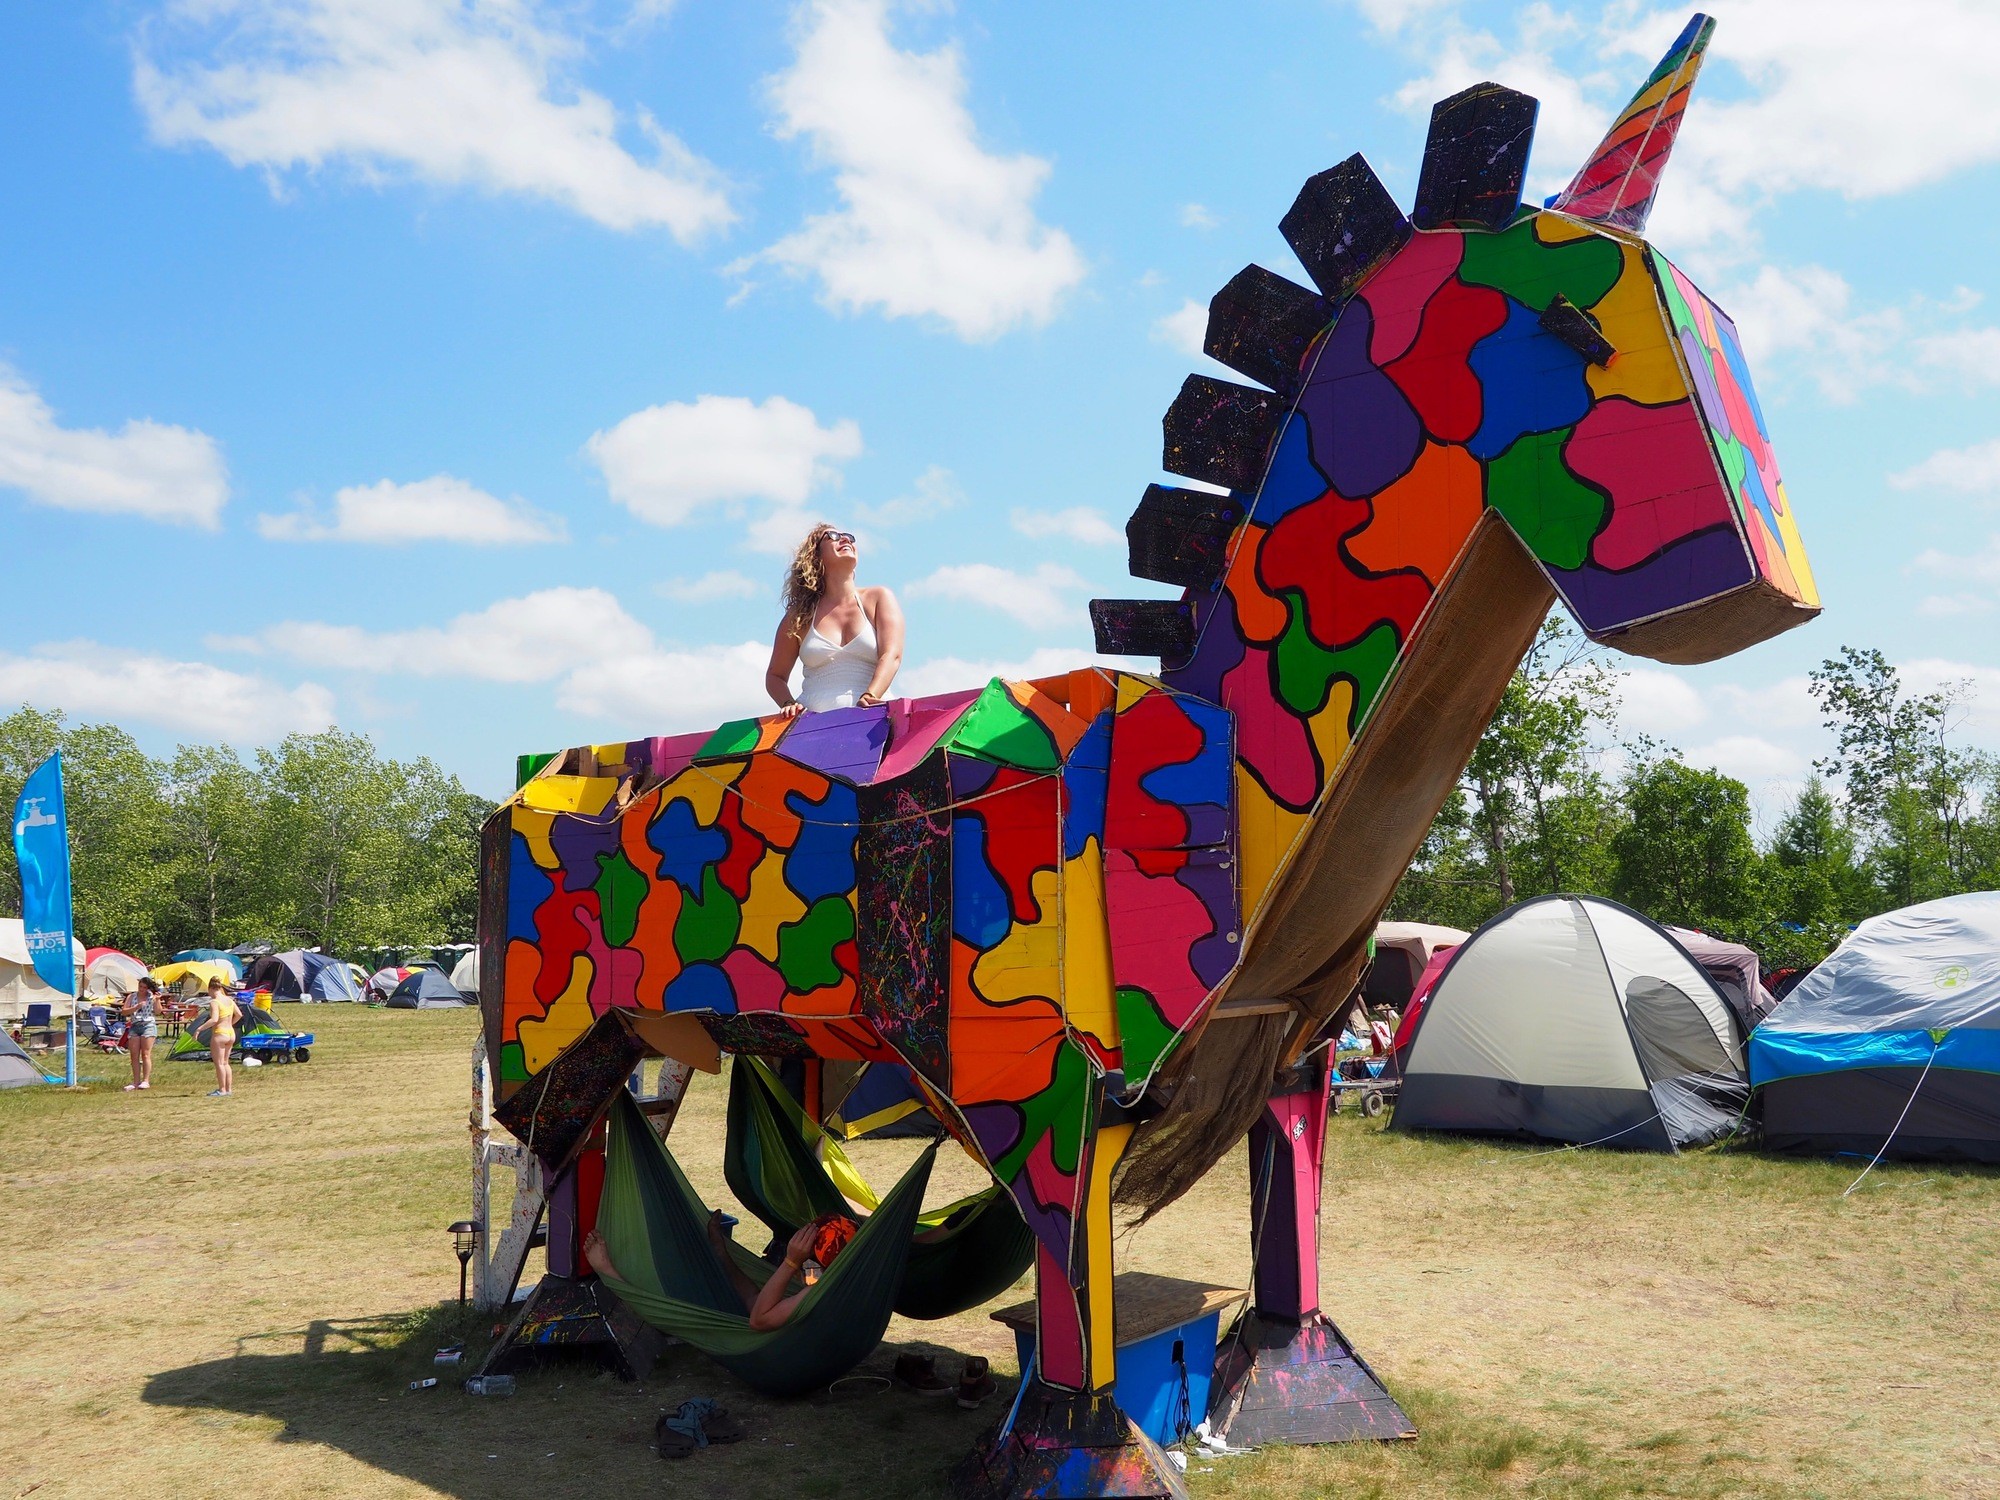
[[975, 1383], [919, 1373], [132, 1086], [694, 1424], [217, 1094]]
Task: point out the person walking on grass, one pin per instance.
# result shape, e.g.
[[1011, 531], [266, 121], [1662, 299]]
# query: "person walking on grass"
[[142, 1028], [220, 1026]]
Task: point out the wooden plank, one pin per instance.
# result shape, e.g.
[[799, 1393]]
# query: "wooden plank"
[[1144, 1304]]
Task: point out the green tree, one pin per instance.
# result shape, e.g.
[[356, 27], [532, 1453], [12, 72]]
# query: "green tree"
[[1685, 855], [214, 814]]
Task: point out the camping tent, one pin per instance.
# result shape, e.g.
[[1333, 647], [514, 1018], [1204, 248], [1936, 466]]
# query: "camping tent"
[[1570, 1018], [20, 985], [1402, 951], [210, 956], [1898, 1032], [299, 975], [191, 976], [107, 972], [425, 989], [384, 981], [466, 975], [16, 1070], [1737, 972]]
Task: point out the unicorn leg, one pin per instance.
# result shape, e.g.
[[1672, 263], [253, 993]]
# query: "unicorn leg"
[[1066, 1435]]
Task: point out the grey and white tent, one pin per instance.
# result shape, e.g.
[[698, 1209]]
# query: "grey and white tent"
[[425, 989], [1572, 1018], [16, 1069]]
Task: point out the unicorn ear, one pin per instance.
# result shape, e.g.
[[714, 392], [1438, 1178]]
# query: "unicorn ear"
[[1617, 184]]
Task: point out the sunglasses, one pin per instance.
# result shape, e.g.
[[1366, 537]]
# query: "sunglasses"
[[837, 537]]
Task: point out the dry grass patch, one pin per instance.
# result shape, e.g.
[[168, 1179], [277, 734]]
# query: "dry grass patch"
[[206, 1297]]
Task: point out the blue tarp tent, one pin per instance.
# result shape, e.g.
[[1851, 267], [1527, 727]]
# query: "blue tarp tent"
[[1901, 1024], [299, 975], [426, 989]]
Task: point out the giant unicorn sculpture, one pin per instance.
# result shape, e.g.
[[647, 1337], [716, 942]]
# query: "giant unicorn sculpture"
[[1098, 917]]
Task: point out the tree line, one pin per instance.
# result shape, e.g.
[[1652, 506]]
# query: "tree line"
[[1555, 800], [314, 842]]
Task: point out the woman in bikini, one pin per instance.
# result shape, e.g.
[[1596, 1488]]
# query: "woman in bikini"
[[847, 640], [223, 1012]]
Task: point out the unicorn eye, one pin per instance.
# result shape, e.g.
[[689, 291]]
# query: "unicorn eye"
[[1578, 329]]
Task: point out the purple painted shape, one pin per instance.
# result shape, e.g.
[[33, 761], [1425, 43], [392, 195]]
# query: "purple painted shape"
[[1218, 648], [577, 843], [1207, 823], [1211, 875], [1697, 357], [969, 775], [997, 1128], [844, 743], [915, 727], [1694, 568], [1365, 435]]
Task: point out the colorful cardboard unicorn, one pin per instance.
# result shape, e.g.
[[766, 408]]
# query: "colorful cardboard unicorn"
[[1098, 915]]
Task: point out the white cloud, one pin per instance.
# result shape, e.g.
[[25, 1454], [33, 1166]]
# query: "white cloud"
[[930, 223], [92, 681], [451, 92], [1969, 471], [1658, 703], [1198, 216], [710, 588], [1785, 704], [146, 469], [1808, 312], [934, 492], [1954, 606], [1982, 566], [1077, 524], [667, 463], [1750, 758], [950, 674], [1980, 708], [1971, 354], [439, 509], [1042, 600], [604, 664], [1184, 328]]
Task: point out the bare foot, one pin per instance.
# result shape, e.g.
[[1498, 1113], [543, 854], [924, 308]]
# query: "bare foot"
[[599, 1257]]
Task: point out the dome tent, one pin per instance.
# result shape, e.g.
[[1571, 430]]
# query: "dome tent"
[[1893, 1043], [1572, 1018], [425, 989], [1403, 950], [110, 973], [300, 975]]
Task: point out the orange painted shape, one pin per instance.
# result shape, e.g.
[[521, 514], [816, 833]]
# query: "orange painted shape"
[[1422, 520], [764, 785], [1005, 1052], [1260, 614]]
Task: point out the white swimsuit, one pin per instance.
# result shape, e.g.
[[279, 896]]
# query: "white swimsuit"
[[835, 676]]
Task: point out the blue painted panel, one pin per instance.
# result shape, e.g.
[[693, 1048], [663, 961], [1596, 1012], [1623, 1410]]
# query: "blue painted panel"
[[1148, 1383]]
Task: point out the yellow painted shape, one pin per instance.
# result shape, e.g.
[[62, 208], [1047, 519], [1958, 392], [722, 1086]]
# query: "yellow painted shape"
[[1265, 833], [569, 794], [1089, 993], [1025, 963], [1101, 1334], [770, 904], [1131, 688], [1553, 228], [1330, 732], [702, 788], [1795, 549], [534, 828], [1647, 367], [566, 1020]]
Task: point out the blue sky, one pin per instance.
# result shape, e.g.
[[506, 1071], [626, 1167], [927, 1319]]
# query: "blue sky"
[[455, 371]]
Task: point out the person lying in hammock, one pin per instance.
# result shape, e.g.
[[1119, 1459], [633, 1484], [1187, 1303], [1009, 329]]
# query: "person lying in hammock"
[[810, 1252]]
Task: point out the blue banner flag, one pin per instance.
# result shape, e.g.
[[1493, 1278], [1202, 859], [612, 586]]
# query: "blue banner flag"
[[41, 847]]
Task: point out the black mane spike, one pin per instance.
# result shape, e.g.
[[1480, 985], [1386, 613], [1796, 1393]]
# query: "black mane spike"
[[1220, 432], [1476, 158], [1143, 627], [1261, 325], [1343, 225], [1182, 537]]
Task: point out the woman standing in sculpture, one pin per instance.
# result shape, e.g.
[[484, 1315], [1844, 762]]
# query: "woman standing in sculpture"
[[847, 640]]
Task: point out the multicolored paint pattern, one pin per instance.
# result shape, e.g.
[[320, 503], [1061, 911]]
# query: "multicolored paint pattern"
[[1616, 186], [1030, 895]]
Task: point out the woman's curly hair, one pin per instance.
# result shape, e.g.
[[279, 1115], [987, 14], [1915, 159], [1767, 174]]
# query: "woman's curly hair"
[[803, 580]]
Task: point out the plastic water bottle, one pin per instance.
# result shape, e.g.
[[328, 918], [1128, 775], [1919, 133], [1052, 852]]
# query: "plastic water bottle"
[[490, 1385]]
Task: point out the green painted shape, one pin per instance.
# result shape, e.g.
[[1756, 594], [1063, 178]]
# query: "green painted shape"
[[1526, 269], [620, 889], [1306, 669], [998, 729], [737, 737], [805, 947], [513, 1063], [528, 767], [1550, 509], [1057, 1112], [1144, 1034], [706, 929]]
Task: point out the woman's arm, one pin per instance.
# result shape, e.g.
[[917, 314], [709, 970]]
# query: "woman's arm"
[[887, 617], [778, 675], [775, 1303]]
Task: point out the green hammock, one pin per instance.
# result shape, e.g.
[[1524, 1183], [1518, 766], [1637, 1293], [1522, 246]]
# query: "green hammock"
[[656, 1229], [770, 1165]]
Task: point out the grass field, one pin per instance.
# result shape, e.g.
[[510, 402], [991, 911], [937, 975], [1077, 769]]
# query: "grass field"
[[203, 1297]]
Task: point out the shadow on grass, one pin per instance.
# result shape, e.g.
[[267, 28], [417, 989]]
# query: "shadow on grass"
[[572, 1429]]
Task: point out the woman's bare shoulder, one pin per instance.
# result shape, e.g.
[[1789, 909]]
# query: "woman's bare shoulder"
[[878, 594]]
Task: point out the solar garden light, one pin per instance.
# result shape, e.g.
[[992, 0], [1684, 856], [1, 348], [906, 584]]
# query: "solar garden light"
[[464, 1235]]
